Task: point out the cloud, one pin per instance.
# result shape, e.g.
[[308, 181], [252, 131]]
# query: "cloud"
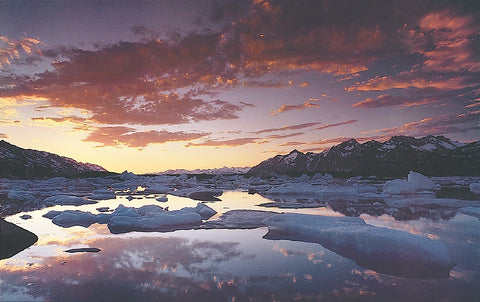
[[279, 136], [446, 40], [286, 128], [447, 123], [336, 124], [412, 80], [225, 143], [292, 144], [129, 137], [3, 135], [285, 108], [385, 100], [11, 50], [333, 140]]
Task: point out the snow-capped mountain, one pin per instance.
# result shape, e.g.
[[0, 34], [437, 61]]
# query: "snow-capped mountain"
[[430, 155], [17, 162], [214, 171]]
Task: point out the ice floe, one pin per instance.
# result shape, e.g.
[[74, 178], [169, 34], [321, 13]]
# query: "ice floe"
[[384, 250], [125, 219], [415, 182], [475, 187], [66, 200]]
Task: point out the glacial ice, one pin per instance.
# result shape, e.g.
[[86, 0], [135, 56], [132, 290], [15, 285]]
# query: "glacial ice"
[[415, 182], [383, 250], [239, 219], [475, 187], [102, 194], [66, 200], [126, 219]]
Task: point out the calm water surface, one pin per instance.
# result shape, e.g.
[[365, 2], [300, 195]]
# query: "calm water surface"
[[223, 265]]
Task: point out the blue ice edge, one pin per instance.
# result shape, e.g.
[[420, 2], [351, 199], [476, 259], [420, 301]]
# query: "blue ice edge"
[[383, 250]]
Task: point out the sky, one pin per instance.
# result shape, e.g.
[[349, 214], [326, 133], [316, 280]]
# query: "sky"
[[147, 86]]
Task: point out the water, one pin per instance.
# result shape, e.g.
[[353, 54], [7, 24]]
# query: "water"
[[223, 265]]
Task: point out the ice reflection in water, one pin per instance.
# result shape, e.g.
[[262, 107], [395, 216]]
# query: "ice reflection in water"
[[222, 265]]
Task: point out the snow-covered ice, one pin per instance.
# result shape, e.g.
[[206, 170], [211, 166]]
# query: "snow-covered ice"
[[415, 182], [475, 187], [383, 250]]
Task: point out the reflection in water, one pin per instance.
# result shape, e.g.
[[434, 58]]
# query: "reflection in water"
[[223, 265]]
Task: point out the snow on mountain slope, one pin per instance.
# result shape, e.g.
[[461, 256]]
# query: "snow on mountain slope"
[[431, 155]]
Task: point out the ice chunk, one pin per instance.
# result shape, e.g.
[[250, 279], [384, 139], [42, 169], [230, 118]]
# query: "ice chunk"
[[69, 218], [472, 211], [383, 250], [206, 195], [239, 219], [419, 181], [203, 210], [157, 222], [102, 194], [475, 188], [162, 198], [415, 182], [67, 200]]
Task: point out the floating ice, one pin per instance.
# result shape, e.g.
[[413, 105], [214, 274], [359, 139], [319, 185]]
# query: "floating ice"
[[70, 218], [239, 219], [414, 182], [66, 200], [162, 198], [472, 211], [475, 187], [383, 250], [102, 194], [156, 222], [144, 219]]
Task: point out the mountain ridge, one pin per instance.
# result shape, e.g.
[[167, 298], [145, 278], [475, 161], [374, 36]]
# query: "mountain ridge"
[[429, 155], [16, 162]]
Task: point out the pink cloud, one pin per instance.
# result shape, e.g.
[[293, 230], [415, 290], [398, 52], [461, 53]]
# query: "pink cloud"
[[336, 124], [286, 128], [129, 137], [285, 108]]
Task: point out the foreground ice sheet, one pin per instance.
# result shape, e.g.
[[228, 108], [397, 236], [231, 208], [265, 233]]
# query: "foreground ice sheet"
[[383, 250]]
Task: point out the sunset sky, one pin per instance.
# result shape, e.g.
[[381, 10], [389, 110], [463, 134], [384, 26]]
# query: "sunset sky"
[[147, 86]]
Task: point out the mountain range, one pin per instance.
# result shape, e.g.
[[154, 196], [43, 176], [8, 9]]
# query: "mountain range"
[[430, 155], [16, 162]]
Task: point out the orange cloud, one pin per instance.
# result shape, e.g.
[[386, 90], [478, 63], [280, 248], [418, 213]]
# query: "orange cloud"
[[303, 106], [12, 49], [452, 37]]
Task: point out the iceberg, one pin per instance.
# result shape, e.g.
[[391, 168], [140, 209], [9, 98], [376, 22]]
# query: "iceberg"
[[475, 187], [415, 182], [383, 250], [102, 194]]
